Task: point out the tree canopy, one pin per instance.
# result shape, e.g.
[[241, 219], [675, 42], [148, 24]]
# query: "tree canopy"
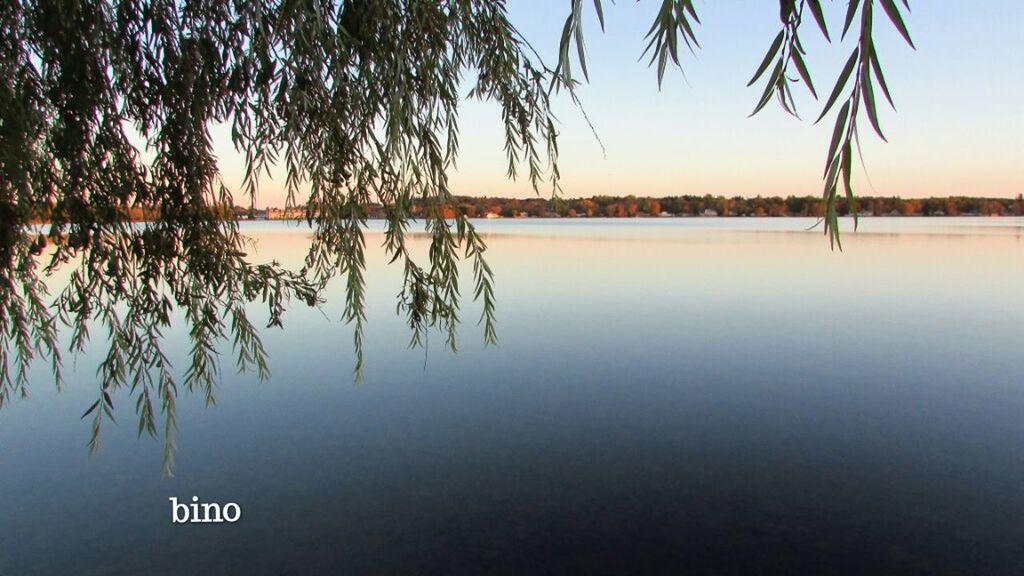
[[106, 107]]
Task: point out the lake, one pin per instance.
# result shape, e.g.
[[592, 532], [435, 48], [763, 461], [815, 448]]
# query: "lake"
[[668, 396]]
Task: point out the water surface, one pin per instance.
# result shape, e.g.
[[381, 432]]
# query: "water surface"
[[700, 396]]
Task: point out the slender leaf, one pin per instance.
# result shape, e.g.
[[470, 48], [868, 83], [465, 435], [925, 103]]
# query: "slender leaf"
[[897, 20], [844, 76], [801, 69], [868, 97], [819, 17], [773, 50], [837, 134], [876, 67], [769, 88], [581, 52], [851, 11]]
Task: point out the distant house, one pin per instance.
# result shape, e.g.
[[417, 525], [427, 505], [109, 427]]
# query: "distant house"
[[294, 213], [664, 214], [492, 215], [249, 214], [709, 212]]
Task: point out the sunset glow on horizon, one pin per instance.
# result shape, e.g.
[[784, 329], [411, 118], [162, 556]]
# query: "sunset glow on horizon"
[[958, 129]]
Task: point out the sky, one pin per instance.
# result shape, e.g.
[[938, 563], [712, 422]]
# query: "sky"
[[958, 128]]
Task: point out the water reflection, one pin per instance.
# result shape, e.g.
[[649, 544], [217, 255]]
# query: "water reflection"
[[667, 396]]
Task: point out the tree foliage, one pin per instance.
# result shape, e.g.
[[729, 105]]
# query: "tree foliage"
[[106, 108]]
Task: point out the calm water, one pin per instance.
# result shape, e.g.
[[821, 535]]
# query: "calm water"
[[705, 396]]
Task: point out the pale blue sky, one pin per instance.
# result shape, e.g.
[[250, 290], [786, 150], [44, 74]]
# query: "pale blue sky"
[[958, 128]]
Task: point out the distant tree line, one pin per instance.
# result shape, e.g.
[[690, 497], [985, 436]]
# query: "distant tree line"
[[644, 206]]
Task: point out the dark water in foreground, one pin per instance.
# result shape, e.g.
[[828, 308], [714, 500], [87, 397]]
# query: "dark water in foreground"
[[672, 396]]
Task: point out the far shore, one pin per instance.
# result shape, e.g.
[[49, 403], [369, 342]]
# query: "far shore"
[[625, 207]]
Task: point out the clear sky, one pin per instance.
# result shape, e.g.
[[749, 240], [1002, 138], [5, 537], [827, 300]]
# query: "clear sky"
[[958, 128]]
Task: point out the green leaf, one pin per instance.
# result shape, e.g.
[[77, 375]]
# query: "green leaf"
[[688, 33], [600, 13], [851, 10], [846, 169], [688, 4], [581, 52], [786, 98], [836, 235], [837, 134], [801, 68], [673, 47], [662, 61], [868, 97], [819, 17], [772, 51], [772, 82], [844, 76], [91, 408], [876, 67], [897, 20], [563, 48]]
